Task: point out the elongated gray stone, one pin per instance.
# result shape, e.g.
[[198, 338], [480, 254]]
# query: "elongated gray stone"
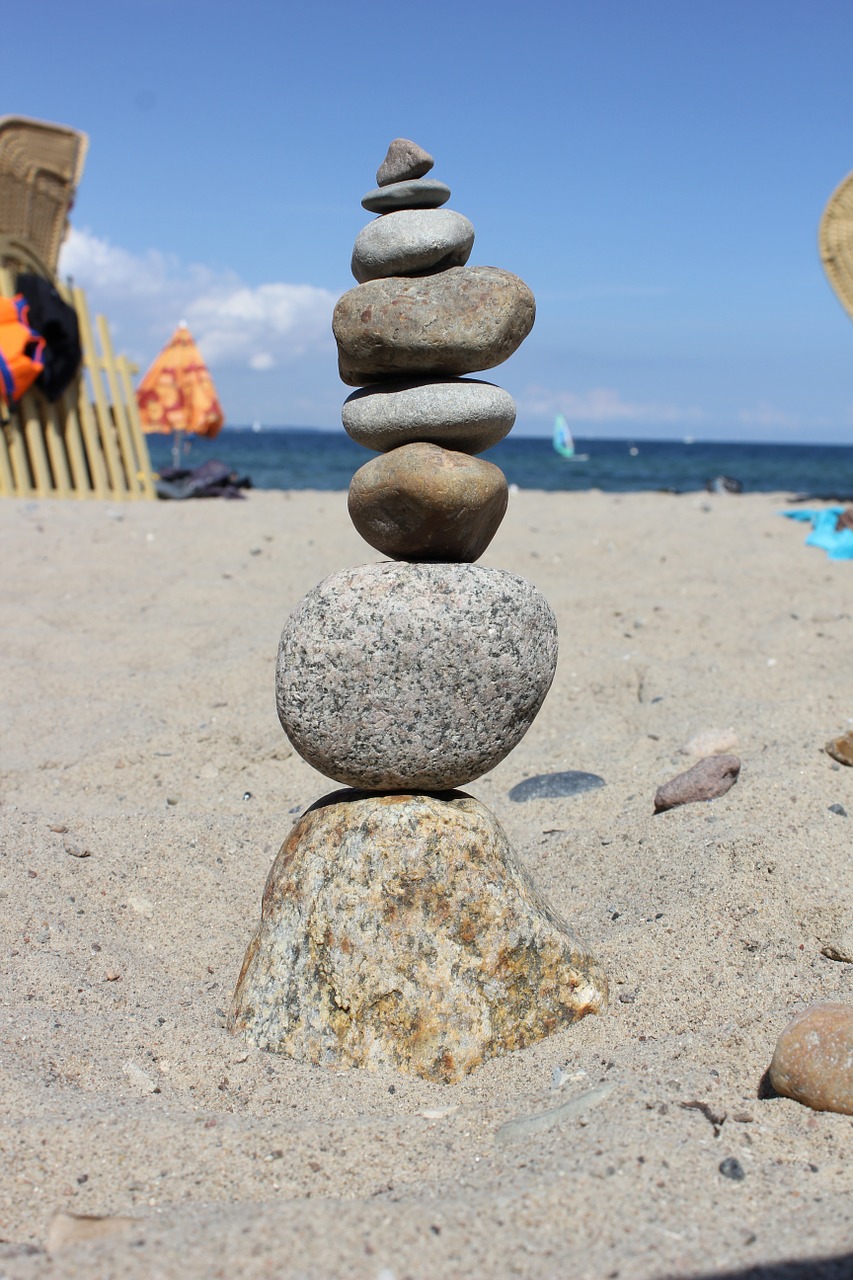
[[412, 242], [404, 160], [401, 931], [419, 193], [422, 502], [414, 676], [459, 321], [458, 413]]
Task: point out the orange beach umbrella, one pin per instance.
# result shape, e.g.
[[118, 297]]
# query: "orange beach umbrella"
[[177, 394]]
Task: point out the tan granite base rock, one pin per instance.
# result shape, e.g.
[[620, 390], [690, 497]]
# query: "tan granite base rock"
[[400, 930]]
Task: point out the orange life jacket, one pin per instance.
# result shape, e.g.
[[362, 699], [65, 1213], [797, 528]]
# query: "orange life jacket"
[[21, 350]]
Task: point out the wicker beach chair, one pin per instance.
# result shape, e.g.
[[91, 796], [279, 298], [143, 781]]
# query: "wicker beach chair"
[[835, 241], [40, 167]]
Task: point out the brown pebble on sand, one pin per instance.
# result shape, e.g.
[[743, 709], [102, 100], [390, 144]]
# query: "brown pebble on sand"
[[707, 780]]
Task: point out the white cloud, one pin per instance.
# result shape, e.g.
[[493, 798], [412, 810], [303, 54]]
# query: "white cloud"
[[601, 404], [764, 415], [236, 325]]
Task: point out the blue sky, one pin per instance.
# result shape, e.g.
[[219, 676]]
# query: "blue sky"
[[654, 170]]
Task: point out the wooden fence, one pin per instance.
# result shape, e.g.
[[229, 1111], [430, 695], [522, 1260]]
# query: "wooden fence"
[[89, 444]]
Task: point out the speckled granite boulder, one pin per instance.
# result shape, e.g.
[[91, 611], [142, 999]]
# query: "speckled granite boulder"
[[813, 1059], [459, 321], [458, 413], [411, 242], [422, 502], [420, 193], [403, 160], [414, 676], [401, 931]]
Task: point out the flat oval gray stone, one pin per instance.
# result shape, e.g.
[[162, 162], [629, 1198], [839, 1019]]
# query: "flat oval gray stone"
[[401, 931], [459, 321], [422, 502], [458, 413], [414, 676], [412, 242], [418, 193], [403, 160]]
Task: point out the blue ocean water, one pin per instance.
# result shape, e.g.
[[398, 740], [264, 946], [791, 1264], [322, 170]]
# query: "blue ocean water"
[[303, 458]]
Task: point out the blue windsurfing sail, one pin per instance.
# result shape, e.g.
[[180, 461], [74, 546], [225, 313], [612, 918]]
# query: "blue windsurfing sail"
[[563, 442]]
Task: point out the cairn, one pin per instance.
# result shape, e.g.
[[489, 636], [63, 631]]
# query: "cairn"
[[398, 928]]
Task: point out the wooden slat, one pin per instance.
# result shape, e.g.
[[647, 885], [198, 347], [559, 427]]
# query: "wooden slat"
[[7, 480], [82, 482], [56, 452], [22, 482], [103, 417], [34, 438], [131, 465], [143, 459]]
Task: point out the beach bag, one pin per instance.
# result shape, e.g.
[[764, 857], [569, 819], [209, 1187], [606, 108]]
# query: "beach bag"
[[56, 321], [21, 351]]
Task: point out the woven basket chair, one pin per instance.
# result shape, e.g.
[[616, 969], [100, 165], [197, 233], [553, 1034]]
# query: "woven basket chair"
[[40, 167]]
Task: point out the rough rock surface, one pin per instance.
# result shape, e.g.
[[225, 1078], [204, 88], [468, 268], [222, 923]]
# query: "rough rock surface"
[[401, 931], [422, 502], [412, 242], [459, 321], [459, 413], [414, 676], [813, 1059], [404, 160], [419, 193], [841, 749], [707, 780]]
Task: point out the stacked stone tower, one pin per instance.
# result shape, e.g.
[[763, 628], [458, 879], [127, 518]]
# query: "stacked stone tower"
[[398, 928]]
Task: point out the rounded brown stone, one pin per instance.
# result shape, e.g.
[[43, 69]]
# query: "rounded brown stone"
[[422, 502], [402, 931], [458, 321], [813, 1058]]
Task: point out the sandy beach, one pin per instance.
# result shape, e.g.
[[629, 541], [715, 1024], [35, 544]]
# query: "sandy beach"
[[146, 787]]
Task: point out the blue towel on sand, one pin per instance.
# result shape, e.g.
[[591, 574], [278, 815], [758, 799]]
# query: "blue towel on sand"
[[838, 544]]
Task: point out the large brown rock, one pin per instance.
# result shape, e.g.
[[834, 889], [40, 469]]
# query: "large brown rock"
[[422, 502], [813, 1058], [401, 931], [458, 321]]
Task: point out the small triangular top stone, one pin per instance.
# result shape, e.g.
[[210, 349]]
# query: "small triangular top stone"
[[404, 160]]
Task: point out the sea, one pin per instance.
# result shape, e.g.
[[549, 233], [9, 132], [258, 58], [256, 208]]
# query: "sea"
[[308, 458]]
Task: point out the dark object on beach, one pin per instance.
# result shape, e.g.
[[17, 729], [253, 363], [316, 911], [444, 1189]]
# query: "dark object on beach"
[[552, 786], [707, 780], [733, 1169], [56, 321], [822, 497], [839, 809], [841, 749], [212, 480], [724, 484], [845, 520]]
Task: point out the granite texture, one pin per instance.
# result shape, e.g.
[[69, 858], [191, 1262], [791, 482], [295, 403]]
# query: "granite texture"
[[458, 413], [422, 502], [401, 931], [414, 676], [459, 321], [417, 193], [412, 242], [404, 160], [813, 1058]]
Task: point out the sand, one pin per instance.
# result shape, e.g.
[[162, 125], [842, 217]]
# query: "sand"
[[140, 731]]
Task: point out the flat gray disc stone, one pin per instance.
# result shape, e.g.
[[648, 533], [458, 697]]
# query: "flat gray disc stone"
[[459, 413], [412, 242], [418, 193]]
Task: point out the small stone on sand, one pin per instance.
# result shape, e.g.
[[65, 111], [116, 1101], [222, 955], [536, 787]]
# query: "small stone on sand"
[[813, 1059], [707, 780]]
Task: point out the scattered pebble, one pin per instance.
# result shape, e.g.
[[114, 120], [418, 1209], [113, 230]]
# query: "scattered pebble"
[[71, 1228], [813, 1059], [76, 850], [112, 975], [732, 1168], [138, 1078], [707, 780], [841, 749], [523, 1126], [710, 742], [840, 948], [839, 809], [59, 827], [552, 786]]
